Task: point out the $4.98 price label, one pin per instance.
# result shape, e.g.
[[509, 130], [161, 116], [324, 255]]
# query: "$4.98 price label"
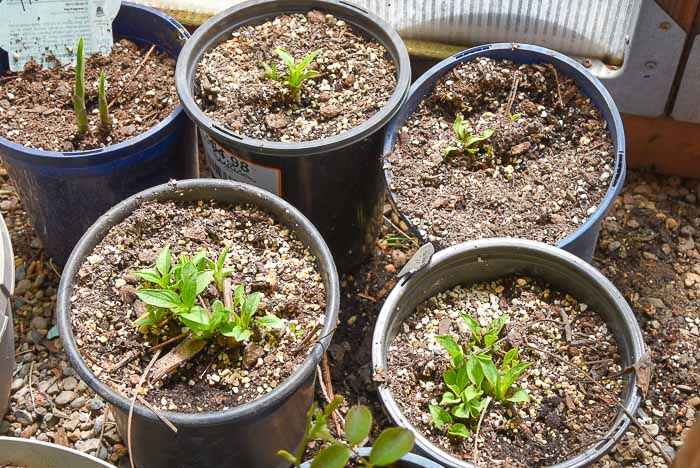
[[225, 165]]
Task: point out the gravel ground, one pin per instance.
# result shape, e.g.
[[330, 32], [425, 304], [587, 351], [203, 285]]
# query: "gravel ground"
[[647, 248]]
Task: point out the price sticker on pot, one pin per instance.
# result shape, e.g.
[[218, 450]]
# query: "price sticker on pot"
[[47, 31], [226, 165]]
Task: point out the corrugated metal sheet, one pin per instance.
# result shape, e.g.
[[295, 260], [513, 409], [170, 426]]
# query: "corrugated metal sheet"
[[586, 28]]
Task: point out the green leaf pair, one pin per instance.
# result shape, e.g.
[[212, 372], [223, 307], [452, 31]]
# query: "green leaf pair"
[[296, 74], [392, 444], [466, 142]]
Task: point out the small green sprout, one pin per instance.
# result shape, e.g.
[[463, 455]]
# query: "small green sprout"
[[79, 108], [396, 242], [105, 119], [176, 289], [474, 377], [392, 444], [467, 142], [515, 117], [218, 268], [296, 72]]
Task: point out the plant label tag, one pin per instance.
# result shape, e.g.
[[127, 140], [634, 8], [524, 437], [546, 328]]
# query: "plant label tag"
[[48, 31], [226, 165]]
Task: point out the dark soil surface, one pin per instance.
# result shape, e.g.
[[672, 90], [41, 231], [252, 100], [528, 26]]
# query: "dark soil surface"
[[552, 156], [266, 257], [36, 106], [356, 78], [565, 413]]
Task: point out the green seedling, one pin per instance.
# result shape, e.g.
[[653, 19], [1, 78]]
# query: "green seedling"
[[515, 117], [474, 377], [105, 119], [296, 73], [175, 292], [220, 272], [466, 142], [79, 108], [392, 444], [397, 242]]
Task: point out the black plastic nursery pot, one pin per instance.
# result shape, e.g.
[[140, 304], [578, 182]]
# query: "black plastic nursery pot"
[[28, 452], [410, 460], [336, 182], [7, 342], [489, 259], [64, 193], [247, 435], [583, 240]]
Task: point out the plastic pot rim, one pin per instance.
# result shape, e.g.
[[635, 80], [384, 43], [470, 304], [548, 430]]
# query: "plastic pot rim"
[[155, 130], [56, 447], [8, 277], [409, 458], [619, 170], [169, 191], [605, 287], [199, 44]]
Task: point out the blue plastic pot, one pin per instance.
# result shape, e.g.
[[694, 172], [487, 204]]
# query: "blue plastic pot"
[[583, 240], [64, 193]]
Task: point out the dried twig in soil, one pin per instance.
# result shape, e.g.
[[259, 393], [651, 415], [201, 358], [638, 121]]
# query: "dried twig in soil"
[[567, 324], [228, 295], [157, 412], [400, 231], [329, 388], [478, 429], [53, 267], [513, 92], [307, 338], [614, 397], [201, 376], [367, 296], [556, 78], [132, 76], [167, 342], [129, 356], [177, 356], [102, 431], [133, 404], [31, 392]]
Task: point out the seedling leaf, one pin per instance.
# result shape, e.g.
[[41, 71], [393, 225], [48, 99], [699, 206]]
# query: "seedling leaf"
[[271, 321], [333, 456], [390, 446], [459, 430], [358, 423], [519, 396], [440, 416], [163, 260], [159, 298]]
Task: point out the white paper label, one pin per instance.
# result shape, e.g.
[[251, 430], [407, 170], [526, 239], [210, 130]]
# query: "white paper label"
[[48, 31], [225, 165]]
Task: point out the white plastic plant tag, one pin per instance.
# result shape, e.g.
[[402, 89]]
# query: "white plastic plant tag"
[[47, 31]]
